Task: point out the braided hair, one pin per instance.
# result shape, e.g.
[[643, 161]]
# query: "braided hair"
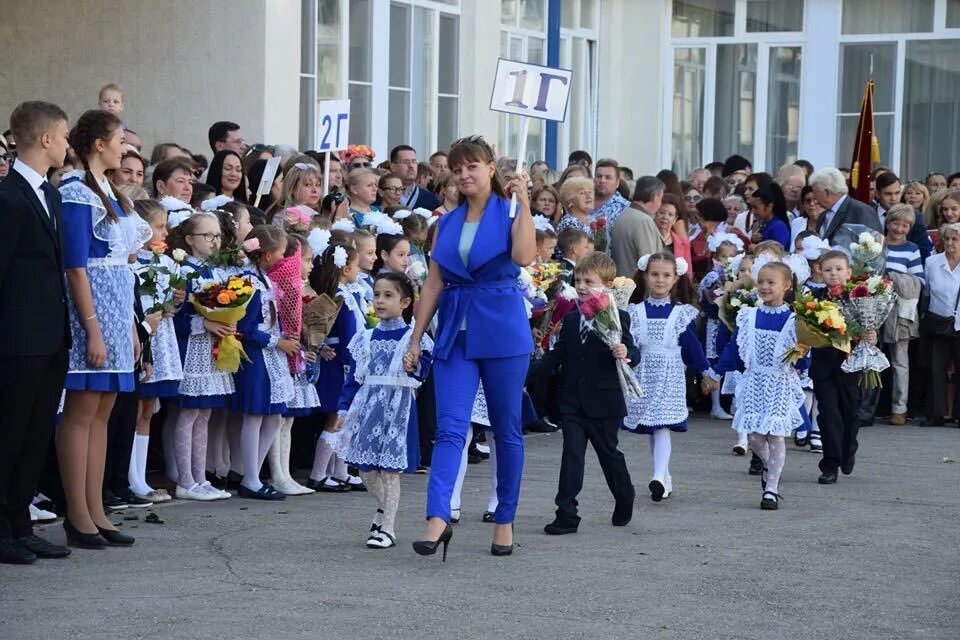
[[92, 126]]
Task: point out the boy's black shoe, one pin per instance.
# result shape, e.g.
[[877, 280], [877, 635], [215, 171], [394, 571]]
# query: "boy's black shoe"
[[557, 528], [828, 477], [756, 465], [623, 513], [541, 426], [847, 466]]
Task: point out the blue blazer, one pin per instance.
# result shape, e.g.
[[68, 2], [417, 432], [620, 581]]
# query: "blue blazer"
[[484, 291]]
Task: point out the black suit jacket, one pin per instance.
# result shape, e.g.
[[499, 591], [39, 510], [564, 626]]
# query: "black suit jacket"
[[33, 299], [589, 384], [851, 212]]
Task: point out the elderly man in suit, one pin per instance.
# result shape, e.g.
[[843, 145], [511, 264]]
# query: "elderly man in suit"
[[830, 190], [635, 233]]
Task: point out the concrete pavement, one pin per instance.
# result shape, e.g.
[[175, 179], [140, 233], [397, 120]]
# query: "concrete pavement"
[[875, 556]]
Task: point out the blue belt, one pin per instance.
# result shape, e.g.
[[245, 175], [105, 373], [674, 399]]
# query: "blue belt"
[[457, 296]]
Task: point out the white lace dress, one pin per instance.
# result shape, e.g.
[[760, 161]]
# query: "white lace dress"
[[203, 386], [164, 349], [377, 404], [666, 336], [769, 393]]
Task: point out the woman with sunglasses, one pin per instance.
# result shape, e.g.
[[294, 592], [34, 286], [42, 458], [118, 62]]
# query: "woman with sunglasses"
[[358, 156]]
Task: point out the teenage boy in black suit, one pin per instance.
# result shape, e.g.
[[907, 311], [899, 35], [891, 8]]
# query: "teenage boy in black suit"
[[35, 335], [592, 405]]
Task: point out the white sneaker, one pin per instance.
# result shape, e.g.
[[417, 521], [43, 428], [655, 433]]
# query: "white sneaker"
[[41, 516], [196, 492], [667, 486], [740, 449], [482, 447], [657, 488], [290, 487], [212, 490], [720, 414]]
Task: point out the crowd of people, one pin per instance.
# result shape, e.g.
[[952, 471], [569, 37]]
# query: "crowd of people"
[[181, 328]]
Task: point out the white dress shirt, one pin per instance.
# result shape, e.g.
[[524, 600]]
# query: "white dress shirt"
[[829, 213], [35, 180], [943, 284]]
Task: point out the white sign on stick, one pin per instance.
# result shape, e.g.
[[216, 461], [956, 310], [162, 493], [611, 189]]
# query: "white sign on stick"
[[531, 90], [269, 173], [333, 125]]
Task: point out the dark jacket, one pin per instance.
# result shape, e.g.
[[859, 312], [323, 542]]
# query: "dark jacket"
[[33, 298], [588, 375], [850, 212]]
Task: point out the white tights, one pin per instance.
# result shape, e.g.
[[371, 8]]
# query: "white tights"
[[190, 446], [773, 451], [256, 436], [385, 487]]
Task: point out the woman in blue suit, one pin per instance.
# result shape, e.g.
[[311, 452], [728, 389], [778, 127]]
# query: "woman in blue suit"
[[482, 333]]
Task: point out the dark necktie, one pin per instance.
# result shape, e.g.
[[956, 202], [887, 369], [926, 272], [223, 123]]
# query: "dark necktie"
[[50, 197]]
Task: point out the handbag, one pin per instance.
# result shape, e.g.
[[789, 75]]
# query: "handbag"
[[935, 325]]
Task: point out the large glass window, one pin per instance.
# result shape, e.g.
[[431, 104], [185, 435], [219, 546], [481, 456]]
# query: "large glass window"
[[523, 37], [448, 98], [702, 18], [887, 16], [931, 110], [953, 14], [689, 75], [360, 69], [774, 15], [783, 106], [736, 100], [857, 61]]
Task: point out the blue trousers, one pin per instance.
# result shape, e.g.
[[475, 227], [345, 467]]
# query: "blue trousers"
[[457, 380]]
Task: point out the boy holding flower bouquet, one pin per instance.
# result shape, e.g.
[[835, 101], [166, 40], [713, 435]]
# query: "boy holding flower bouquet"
[[592, 401]]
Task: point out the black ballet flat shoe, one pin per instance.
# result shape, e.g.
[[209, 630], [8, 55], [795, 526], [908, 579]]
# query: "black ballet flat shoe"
[[489, 516], [266, 492], [771, 503], [848, 464], [232, 481], [828, 477], [756, 465], [76, 538], [429, 547], [115, 538]]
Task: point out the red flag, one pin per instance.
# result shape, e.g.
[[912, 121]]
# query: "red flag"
[[866, 149]]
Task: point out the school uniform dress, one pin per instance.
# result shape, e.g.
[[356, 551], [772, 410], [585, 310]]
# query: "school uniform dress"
[[102, 247], [377, 402], [769, 394], [263, 385], [667, 338], [482, 335], [167, 366], [713, 280], [203, 386], [330, 373]]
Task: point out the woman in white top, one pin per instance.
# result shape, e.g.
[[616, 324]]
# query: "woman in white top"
[[942, 274]]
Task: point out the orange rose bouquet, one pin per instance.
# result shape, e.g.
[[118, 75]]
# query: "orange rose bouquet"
[[225, 302]]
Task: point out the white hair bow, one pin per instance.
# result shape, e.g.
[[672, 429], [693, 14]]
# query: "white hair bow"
[[319, 240], [215, 203], [176, 218], [423, 213], [643, 262], [340, 257], [714, 241], [343, 224], [813, 247], [402, 214], [682, 266], [542, 223], [173, 204]]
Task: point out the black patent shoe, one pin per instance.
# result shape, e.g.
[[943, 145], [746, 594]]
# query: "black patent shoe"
[[756, 466], [429, 547], [770, 501], [115, 538], [828, 477], [76, 538]]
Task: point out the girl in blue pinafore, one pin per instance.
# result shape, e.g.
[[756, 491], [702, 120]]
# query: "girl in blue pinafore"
[[662, 325], [204, 387], [335, 270], [154, 270], [377, 408], [101, 239], [264, 384], [482, 333]]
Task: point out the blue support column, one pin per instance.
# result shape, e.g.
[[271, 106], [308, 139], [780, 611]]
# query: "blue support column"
[[553, 60]]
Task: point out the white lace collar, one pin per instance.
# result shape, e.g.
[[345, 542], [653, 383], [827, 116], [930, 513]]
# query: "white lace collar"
[[658, 302], [392, 325], [777, 310]]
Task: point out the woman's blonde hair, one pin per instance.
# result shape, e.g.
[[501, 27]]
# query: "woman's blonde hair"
[[356, 175], [933, 205], [571, 187], [900, 211], [293, 179]]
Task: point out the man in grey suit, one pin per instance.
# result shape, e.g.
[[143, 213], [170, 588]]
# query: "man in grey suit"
[[634, 233], [830, 190]]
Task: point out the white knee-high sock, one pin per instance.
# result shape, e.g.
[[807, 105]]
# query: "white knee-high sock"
[[455, 497], [137, 475], [269, 427], [250, 451], [715, 406], [492, 501], [321, 459], [662, 447]]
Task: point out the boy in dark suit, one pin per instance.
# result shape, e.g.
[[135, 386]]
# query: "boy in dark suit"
[[592, 405], [33, 313]]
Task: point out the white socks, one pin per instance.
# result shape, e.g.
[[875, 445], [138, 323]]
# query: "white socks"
[[137, 474], [660, 447]]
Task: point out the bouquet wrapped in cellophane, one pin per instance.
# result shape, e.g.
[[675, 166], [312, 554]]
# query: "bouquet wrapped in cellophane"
[[225, 302], [601, 309], [730, 303], [820, 323]]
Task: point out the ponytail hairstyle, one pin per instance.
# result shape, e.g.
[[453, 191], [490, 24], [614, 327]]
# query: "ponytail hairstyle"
[[295, 241], [148, 208], [270, 238], [475, 149], [386, 242], [96, 125], [404, 287], [325, 277], [413, 224], [682, 292]]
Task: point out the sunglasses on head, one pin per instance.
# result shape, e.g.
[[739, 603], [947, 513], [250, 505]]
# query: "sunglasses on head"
[[260, 148]]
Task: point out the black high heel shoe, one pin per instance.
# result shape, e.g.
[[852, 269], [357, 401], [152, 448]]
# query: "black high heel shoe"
[[502, 549], [76, 538], [429, 547], [115, 538]]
